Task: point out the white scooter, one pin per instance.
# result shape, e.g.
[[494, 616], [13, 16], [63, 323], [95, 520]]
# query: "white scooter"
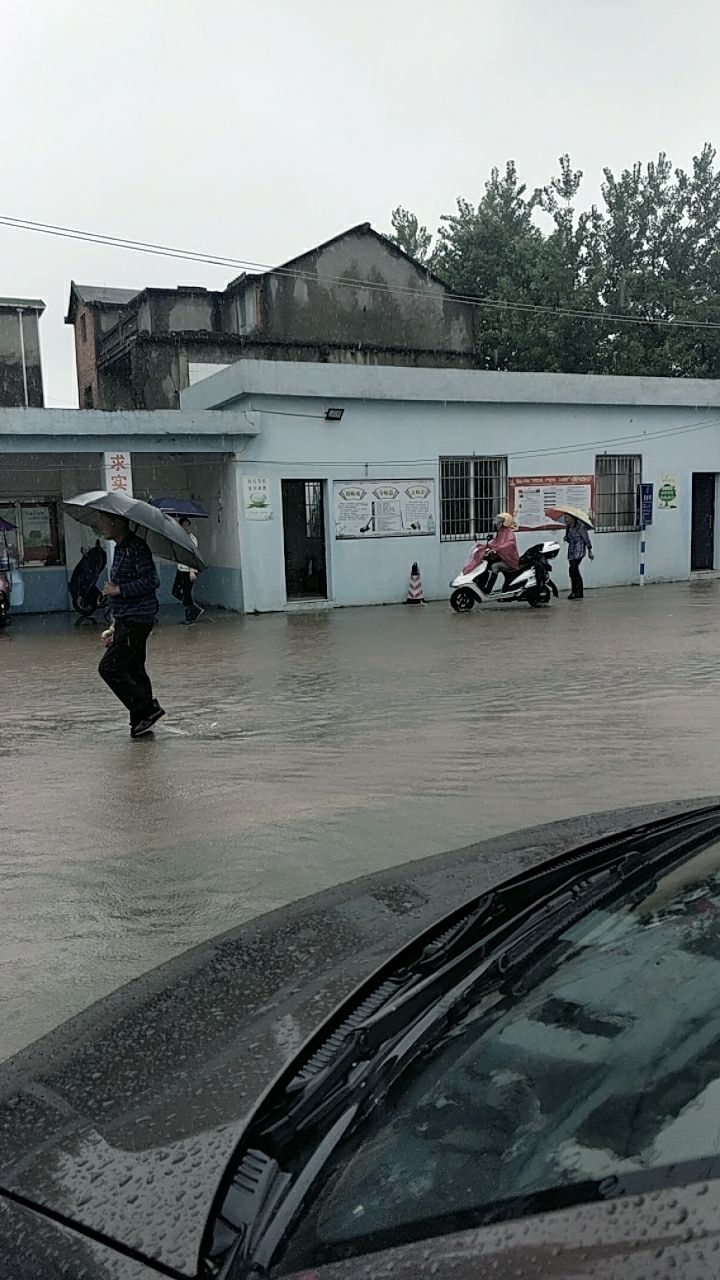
[[530, 583]]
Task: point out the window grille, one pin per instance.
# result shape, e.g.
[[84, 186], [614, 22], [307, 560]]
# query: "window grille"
[[617, 476], [472, 491]]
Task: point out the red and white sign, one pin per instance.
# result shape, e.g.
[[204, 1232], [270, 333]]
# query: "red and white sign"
[[117, 472], [533, 497]]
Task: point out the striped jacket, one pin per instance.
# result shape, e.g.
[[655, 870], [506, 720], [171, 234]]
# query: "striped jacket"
[[133, 569]]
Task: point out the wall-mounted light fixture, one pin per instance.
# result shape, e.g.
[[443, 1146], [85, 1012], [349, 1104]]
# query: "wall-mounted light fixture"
[[333, 415]]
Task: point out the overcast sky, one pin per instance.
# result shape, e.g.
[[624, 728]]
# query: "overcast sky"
[[257, 130]]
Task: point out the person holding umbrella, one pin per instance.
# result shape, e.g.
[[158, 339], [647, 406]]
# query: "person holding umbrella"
[[132, 592], [577, 537], [185, 580], [138, 530], [183, 510]]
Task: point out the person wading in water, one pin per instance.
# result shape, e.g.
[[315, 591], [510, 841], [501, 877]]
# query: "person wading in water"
[[132, 594]]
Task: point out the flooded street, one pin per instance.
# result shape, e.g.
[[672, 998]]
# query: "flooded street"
[[301, 750]]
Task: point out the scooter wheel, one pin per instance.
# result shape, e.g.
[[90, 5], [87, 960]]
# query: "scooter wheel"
[[539, 597], [462, 600]]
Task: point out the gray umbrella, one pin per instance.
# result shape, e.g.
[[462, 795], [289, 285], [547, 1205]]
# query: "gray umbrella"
[[164, 536]]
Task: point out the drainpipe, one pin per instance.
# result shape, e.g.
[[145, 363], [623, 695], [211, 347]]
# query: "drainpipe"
[[22, 355]]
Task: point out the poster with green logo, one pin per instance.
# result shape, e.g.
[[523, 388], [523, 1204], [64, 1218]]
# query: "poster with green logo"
[[667, 491]]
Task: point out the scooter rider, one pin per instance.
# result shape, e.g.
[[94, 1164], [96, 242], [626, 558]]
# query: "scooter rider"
[[501, 551]]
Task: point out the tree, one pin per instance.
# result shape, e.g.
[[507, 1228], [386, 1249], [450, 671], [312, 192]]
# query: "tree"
[[661, 258], [567, 278], [409, 235], [595, 290], [489, 252]]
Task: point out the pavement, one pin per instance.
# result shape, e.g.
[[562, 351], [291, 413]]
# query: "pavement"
[[302, 750]]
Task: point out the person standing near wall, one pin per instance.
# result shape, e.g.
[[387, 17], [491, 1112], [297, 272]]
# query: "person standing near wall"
[[578, 540], [185, 580]]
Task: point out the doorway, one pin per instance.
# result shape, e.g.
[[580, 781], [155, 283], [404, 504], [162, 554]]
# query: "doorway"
[[702, 538], [303, 503]]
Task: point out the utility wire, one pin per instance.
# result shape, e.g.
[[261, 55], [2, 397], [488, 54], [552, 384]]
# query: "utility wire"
[[189, 255], [548, 451]]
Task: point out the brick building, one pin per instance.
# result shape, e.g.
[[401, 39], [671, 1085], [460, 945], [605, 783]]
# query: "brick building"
[[357, 299]]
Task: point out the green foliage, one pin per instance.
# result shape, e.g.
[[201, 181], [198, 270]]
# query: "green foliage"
[[649, 254], [409, 235]]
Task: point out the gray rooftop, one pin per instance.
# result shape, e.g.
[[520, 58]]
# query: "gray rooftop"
[[22, 304], [98, 294], [338, 382]]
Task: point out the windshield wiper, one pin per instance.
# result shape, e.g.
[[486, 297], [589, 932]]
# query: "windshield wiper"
[[482, 966], [501, 933], [427, 988]]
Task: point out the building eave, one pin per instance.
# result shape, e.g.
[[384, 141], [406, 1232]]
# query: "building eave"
[[406, 383]]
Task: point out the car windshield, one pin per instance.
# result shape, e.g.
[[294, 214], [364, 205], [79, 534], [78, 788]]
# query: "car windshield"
[[603, 1062]]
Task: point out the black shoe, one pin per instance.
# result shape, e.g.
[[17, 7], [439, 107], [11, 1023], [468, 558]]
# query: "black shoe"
[[145, 726], [575, 597], [140, 729], [155, 707], [197, 614]]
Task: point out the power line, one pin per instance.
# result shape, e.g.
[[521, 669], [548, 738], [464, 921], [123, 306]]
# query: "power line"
[[548, 451], [498, 304]]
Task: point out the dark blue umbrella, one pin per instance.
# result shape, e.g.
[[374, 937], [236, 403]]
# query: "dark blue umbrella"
[[181, 507], [5, 525]]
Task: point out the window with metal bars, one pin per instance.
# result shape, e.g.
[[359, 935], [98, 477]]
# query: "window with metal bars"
[[617, 476], [472, 491], [314, 509]]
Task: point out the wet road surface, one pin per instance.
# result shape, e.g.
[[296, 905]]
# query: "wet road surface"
[[302, 750]]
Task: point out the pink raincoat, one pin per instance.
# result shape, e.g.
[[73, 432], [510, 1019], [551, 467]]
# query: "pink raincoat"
[[504, 544]]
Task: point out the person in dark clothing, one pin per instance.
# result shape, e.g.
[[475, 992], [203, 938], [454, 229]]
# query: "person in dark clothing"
[[578, 540], [132, 592], [185, 580]]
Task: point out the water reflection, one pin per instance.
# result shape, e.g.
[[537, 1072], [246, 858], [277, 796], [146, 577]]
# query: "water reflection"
[[303, 750]]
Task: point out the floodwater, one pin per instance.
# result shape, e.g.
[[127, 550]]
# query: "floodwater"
[[304, 749]]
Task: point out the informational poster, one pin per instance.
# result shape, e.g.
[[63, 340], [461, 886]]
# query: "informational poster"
[[117, 470], [36, 527], [384, 508], [667, 492], [532, 497], [256, 498]]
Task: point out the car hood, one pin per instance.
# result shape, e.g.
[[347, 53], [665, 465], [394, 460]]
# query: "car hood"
[[123, 1120]]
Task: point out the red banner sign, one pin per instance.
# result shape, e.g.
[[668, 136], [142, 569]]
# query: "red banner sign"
[[533, 498]]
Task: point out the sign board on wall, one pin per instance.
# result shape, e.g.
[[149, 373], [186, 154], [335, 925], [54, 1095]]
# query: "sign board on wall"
[[384, 508], [531, 497], [36, 527], [667, 491], [646, 505], [117, 472], [256, 498]]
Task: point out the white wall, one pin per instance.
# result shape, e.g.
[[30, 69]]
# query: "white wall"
[[196, 371], [401, 440]]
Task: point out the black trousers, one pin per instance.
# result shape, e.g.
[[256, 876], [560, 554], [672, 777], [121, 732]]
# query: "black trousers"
[[183, 591], [576, 581], [123, 667]]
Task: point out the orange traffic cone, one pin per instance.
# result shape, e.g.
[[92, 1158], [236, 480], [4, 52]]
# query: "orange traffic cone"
[[415, 594]]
